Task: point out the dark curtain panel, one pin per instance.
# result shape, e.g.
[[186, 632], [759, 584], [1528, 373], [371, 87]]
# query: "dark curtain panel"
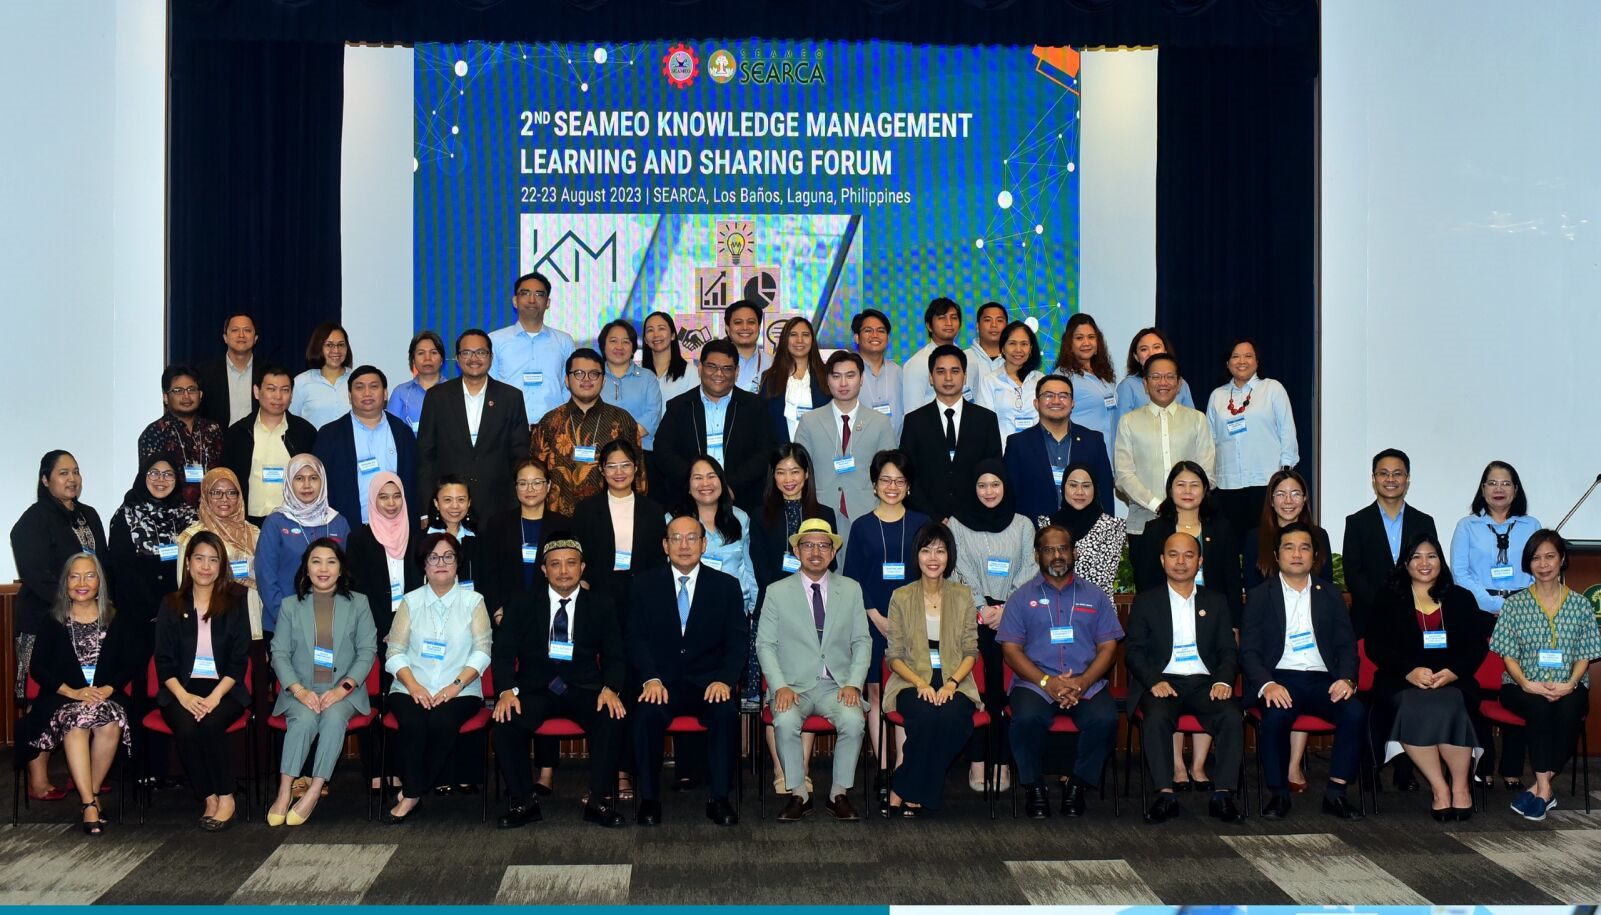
[[254, 194], [1235, 218]]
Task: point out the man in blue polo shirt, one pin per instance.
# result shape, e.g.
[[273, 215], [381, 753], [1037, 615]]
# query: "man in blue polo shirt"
[[1059, 636], [530, 356]]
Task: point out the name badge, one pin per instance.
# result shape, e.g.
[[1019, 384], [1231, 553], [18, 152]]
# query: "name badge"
[[370, 465], [714, 441], [322, 657], [193, 473], [801, 411], [396, 593], [1235, 425], [168, 552], [623, 561], [933, 658], [240, 568], [584, 454], [1302, 641], [1057, 473], [533, 379], [434, 649], [205, 668], [1502, 573], [530, 553], [791, 562], [882, 408], [272, 475], [845, 464], [1434, 638], [1061, 635], [1186, 652], [1022, 421], [561, 651], [997, 567], [466, 584], [88, 673], [1551, 659], [894, 571], [712, 562], [1110, 400]]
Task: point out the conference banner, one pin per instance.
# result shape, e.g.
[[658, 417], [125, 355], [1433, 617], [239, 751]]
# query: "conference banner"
[[816, 178]]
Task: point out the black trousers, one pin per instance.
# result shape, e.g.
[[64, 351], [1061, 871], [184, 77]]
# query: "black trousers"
[[427, 738], [604, 733], [203, 745], [934, 736], [1220, 718], [650, 737], [1553, 726]]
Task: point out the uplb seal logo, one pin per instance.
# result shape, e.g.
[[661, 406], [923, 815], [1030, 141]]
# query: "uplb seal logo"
[[680, 66]]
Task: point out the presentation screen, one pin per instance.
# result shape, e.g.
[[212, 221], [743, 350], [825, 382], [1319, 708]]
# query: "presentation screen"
[[816, 178]]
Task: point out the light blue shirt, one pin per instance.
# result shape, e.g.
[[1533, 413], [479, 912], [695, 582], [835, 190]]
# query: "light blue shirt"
[[1476, 564], [1253, 445], [535, 364], [437, 636], [671, 388], [1392, 531], [716, 415], [405, 401], [882, 392], [1012, 402], [732, 557], [750, 370], [639, 393], [1131, 396], [1095, 407], [318, 402], [378, 444]]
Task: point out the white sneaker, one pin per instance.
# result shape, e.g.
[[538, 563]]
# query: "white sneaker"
[[1006, 779]]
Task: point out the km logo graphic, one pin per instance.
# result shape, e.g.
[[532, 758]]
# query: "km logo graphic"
[[567, 256]]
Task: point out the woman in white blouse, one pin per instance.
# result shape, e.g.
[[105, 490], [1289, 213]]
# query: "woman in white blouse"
[[438, 648], [1254, 433], [1010, 391], [795, 384]]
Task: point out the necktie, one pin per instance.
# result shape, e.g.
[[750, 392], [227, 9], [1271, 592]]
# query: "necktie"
[[845, 450], [950, 431], [683, 603], [817, 608], [558, 631]]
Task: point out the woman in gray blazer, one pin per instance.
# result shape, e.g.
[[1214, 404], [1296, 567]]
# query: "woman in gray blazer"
[[322, 652]]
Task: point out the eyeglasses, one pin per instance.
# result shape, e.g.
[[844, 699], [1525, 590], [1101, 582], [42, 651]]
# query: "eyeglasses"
[[892, 481], [1165, 377], [585, 374], [816, 546], [1056, 550], [1289, 495], [332, 345], [619, 466], [154, 474], [532, 294], [717, 368], [532, 484], [441, 559], [683, 538], [223, 493], [471, 353], [1056, 396], [1390, 474], [191, 389], [1498, 484]]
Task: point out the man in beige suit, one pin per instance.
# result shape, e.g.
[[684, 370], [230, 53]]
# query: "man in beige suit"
[[814, 649]]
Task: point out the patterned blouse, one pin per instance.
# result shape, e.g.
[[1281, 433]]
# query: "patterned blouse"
[[1100, 552], [1523, 629], [558, 435]]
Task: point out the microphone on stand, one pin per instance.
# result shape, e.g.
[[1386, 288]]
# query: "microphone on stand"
[[1576, 505]]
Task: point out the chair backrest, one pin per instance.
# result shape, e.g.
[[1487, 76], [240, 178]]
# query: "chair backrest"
[[374, 686], [489, 684], [1489, 673], [1365, 669], [30, 690]]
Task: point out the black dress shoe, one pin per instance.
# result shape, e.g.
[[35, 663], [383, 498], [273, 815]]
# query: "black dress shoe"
[[1200, 786], [602, 815], [1341, 807], [1278, 807], [1463, 814], [1221, 807], [721, 812], [1164, 808], [1073, 804], [1036, 802], [1444, 815], [1182, 786], [543, 790], [840, 808], [650, 813], [795, 809], [520, 815]]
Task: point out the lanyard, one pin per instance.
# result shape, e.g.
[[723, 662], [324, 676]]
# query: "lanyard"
[[574, 428], [1056, 616], [705, 427], [1440, 610], [885, 545], [1503, 539]]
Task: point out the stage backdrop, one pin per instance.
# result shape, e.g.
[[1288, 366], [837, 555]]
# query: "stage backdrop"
[[820, 178]]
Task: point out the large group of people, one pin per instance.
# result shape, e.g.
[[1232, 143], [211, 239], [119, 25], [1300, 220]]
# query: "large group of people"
[[566, 541]]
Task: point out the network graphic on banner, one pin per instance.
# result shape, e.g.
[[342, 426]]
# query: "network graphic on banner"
[[815, 178]]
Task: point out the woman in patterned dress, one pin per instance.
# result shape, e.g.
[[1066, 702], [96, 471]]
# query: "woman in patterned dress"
[[80, 661]]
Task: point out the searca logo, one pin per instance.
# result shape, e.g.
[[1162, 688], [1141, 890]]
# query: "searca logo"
[[680, 66]]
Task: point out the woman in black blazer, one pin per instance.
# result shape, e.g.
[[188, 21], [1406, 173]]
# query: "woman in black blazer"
[[796, 359], [1427, 638], [790, 498], [202, 647], [452, 513], [1190, 507], [608, 567], [513, 539]]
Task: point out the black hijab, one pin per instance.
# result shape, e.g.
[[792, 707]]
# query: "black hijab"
[[972, 513], [153, 522], [1077, 520]]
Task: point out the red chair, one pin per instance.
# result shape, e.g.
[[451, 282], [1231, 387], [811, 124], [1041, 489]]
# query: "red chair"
[[19, 796], [1489, 677], [478, 722], [981, 720], [1061, 724], [814, 724], [280, 723], [154, 723], [1313, 725], [688, 724]]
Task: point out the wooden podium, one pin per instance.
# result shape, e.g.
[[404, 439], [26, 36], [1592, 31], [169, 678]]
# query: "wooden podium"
[[1584, 576]]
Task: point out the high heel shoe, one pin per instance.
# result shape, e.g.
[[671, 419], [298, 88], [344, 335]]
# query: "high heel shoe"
[[97, 826], [293, 817], [276, 819], [1444, 815]]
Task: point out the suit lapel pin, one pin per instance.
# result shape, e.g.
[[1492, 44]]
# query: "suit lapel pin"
[[1202, 613], [491, 403]]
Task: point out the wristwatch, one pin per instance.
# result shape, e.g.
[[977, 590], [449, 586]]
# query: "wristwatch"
[[456, 682], [1045, 681], [515, 690], [348, 684]]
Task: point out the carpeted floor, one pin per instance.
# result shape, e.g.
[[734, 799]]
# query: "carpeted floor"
[[963, 857]]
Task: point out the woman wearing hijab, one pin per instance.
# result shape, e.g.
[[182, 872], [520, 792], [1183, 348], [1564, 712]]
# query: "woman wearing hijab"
[[994, 556], [222, 512], [1098, 538], [384, 569], [304, 518]]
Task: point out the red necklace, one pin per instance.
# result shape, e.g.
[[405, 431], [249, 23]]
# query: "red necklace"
[[1236, 411]]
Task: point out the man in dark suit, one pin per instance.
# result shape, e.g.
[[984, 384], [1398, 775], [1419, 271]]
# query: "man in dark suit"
[[1298, 653], [1182, 660], [1038, 457], [1374, 535], [474, 427], [354, 448], [559, 654], [947, 437], [719, 419], [228, 380], [258, 448], [687, 646]]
